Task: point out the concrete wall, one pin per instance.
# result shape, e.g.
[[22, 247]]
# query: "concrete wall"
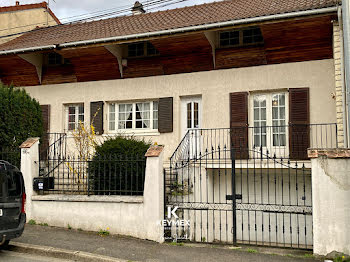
[[19, 21], [136, 216], [331, 205], [213, 86]]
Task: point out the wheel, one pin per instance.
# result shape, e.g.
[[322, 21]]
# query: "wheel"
[[5, 245]]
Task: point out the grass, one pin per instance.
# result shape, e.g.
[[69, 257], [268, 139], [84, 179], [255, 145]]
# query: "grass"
[[79, 229], [309, 256], [103, 233], [43, 224], [32, 222], [69, 227], [176, 244], [250, 250]]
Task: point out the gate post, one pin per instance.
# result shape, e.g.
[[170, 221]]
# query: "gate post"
[[234, 199], [330, 200], [29, 169]]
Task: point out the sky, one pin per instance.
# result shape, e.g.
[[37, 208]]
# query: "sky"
[[68, 8]]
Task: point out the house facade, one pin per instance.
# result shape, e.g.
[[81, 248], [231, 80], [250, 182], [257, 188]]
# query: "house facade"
[[21, 18], [246, 83]]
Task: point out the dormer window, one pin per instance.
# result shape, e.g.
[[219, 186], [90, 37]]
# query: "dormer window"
[[141, 49], [241, 37]]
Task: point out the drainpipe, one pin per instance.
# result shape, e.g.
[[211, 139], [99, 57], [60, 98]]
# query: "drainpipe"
[[346, 30], [340, 17]]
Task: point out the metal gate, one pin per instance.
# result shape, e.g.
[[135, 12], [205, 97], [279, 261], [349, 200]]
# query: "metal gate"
[[264, 200]]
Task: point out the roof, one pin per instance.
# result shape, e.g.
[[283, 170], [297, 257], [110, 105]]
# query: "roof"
[[28, 7], [210, 13]]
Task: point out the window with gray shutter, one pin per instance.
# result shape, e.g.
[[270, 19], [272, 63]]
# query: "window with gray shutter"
[[299, 123], [165, 115], [96, 116], [239, 124]]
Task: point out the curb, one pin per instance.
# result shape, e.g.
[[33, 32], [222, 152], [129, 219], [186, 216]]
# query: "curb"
[[61, 253]]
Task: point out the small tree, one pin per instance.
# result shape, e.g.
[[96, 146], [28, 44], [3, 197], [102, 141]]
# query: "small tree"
[[20, 117]]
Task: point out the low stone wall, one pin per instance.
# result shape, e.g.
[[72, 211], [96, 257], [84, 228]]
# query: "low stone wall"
[[136, 216]]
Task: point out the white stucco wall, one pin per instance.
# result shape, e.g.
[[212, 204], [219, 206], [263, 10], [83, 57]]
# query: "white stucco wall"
[[331, 205], [213, 86]]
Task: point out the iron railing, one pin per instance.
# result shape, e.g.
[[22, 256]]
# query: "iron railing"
[[101, 175], [53, 150], [286, 142]]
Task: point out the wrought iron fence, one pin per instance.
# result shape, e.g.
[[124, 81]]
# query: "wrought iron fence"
[[264, 200], [101, 175], [286, 142], [13, 156]]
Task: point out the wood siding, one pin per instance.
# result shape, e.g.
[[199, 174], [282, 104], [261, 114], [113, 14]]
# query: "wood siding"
[[284, 42], [93, 64]]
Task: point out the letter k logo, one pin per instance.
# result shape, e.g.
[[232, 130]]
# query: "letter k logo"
[[172, 212]]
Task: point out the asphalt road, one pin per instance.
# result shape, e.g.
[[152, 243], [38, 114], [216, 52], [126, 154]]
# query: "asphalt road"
[[20, 257]]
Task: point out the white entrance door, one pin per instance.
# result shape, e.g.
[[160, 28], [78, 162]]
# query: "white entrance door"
[[191, 118]]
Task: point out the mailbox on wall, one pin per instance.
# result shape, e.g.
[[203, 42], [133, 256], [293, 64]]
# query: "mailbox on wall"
[[43, 183]]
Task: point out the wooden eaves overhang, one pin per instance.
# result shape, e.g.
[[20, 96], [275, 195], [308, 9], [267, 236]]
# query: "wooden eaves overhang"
[[316, 28]]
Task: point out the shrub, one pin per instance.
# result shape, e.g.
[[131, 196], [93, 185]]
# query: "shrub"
[[20, 117], [118, 167]]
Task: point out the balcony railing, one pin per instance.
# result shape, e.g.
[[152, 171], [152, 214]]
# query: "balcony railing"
[[283, 142]]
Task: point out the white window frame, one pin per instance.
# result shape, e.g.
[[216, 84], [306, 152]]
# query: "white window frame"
[[133, 130], [278, 150], [76, 105]]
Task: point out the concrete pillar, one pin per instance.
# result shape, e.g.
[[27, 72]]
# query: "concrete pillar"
[[154, 194], [29, 169], [331, 200]]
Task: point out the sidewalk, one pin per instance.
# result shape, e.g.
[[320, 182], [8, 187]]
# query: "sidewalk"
[[131, 249]]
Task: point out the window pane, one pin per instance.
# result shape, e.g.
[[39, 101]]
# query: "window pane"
[[71, 110], [252, 35], [189, 115], [229, 38], [196, 114], [155, 115], [81, 109]]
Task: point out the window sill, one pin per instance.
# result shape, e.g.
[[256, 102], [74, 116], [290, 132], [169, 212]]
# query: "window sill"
[[133, 132]]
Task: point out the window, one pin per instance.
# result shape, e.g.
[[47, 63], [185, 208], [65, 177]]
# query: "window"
[[241, 37], [139, 115], [141, 49], [269, 120], [75, 116], [192, 115], [54, 59]]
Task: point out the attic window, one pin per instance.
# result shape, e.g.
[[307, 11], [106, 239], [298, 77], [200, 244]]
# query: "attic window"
[[54, 59], [141, 49], [241, 37]]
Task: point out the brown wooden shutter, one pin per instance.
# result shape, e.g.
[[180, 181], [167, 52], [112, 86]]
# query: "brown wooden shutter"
[[165, 115], [299, 123], [96, 116], [44, 145], [239, 124]]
